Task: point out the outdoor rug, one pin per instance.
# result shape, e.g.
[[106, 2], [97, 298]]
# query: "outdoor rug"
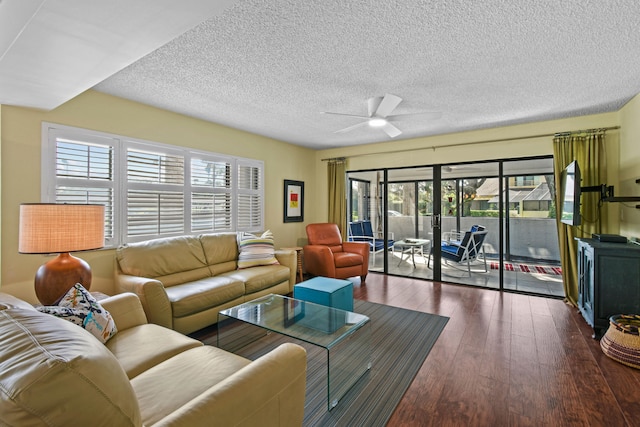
[[401, 340], [528, 268]]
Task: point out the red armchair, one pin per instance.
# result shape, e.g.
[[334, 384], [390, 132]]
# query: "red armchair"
[[327, 255]]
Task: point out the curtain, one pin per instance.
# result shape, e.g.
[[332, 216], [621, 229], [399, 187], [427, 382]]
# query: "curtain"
[[337, 194], [588, 150]]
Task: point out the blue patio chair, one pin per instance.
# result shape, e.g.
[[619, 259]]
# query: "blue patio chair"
[[362, 231], [455, 237], [464, 251]]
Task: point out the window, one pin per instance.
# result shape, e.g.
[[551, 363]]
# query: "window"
[[151, 190], [360, 200]]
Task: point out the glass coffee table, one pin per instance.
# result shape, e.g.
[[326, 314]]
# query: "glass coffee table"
[[345, 336]]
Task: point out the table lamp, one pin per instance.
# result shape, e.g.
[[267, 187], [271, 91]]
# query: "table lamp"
[[47, 228]]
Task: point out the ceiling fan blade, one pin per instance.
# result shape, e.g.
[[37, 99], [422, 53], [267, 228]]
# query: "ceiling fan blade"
[[391, 130], [428, 115], [387, 105], [343, 114], [352, 127], [372, 105]]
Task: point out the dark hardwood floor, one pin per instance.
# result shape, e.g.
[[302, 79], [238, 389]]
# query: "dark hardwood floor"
[[506, 359]]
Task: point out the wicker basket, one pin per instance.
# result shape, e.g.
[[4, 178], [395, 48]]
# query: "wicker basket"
[[621, 342]]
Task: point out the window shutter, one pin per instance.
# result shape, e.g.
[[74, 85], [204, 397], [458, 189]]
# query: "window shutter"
[[249, 199], [154, 168], [210, 212], [211, 194], [84, 173], [149, 189], [155, 194], [249, 212], [154, 213]]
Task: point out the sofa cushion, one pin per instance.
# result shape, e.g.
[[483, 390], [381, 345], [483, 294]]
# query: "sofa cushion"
[[184, 276], [80, 308], [162, 257], [141, 347], [51, 369], [198, 370], [255, 251], [194, 297], [221, 251], [258, 278]]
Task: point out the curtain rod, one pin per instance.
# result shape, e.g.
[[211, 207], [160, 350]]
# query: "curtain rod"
[[577, 132], [462, 144]]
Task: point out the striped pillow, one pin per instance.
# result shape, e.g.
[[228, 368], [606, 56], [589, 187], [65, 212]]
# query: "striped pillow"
[[255, 251]]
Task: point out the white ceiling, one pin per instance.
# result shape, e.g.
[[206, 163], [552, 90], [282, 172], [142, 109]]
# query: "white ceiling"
[[272, 66], [53, 50]]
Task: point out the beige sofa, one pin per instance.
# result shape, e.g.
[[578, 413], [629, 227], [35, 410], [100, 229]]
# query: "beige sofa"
[[55, 373], [183, 282]]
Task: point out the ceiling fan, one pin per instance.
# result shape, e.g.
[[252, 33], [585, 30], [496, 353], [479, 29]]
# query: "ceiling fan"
[[379, 109]]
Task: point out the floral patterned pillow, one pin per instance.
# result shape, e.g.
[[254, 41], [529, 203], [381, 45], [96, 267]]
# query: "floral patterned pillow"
[[82, 309]]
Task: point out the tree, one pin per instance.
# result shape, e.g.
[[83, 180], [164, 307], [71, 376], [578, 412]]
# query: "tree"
[[469, 191]]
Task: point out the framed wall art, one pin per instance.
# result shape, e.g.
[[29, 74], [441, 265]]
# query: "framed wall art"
[[293, 201]]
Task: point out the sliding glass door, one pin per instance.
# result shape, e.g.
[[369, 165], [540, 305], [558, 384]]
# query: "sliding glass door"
[[366, 217], [410, 199], [531, 250], [500, 212], [466, 189]]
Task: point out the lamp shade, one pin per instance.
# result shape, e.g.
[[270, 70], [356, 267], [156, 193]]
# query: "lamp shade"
[[53, 228]]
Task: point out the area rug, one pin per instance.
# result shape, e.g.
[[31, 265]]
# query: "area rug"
[[528, 268], [401, 340]]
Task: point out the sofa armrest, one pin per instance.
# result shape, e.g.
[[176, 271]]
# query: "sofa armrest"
[[318, 260], [268, 392], [125, 309], [153, 297], [289, 258], [360, 248]]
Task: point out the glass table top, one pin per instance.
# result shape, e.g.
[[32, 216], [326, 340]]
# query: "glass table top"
[[313, 323]]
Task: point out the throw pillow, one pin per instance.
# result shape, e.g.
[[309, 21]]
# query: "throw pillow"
[[79, 307], [255, 251]]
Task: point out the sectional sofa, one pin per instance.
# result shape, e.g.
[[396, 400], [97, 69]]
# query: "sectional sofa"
[[55, 373], [183, 282]]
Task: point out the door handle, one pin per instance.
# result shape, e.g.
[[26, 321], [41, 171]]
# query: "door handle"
[[435, 221]]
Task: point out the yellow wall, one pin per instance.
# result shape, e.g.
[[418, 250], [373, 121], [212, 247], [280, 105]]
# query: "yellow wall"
[[441, 149], [20, 137], [629, 167], [21, 146]]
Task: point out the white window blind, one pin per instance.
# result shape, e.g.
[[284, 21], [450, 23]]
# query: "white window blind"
[[155, 193], [150, 189], [250, 196], [211, 196], [83, 173]]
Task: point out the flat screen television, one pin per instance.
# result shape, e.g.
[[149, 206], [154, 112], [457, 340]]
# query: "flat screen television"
[[570, 208]]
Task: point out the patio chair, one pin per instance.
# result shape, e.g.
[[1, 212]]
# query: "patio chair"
[[455, 237], [464, 251], [362, 231]]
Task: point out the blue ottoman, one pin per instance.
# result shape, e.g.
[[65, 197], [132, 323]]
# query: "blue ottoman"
[[333, 293]]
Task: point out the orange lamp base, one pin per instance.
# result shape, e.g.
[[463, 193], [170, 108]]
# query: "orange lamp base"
[[57, 276]]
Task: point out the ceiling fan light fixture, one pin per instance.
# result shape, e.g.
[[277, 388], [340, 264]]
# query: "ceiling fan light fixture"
[[377, 122]]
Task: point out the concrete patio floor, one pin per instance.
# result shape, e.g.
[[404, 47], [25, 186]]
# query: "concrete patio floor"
[[543, 284]]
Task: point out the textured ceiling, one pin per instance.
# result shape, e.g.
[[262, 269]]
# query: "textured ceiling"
[[53, 50], [272, 66]]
